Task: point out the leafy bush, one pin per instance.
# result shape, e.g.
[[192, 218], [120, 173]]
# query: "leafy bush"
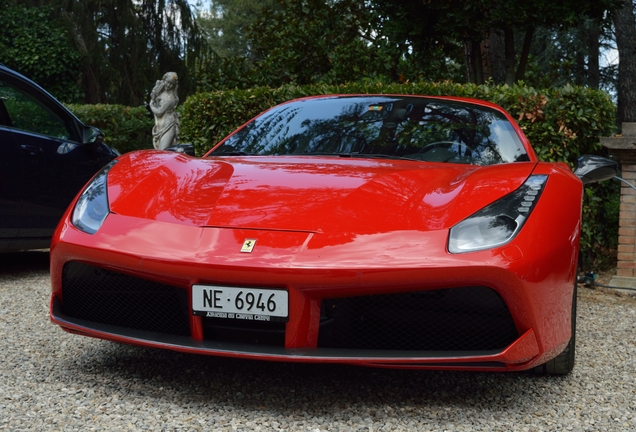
[[125, 128], [34, 43], [561, 123]]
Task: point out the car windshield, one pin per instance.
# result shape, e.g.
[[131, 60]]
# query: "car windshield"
[[416, 128]]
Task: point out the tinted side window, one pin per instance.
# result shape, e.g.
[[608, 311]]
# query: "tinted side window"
[[26, 112]]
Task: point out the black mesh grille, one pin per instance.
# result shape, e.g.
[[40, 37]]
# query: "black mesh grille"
[[94, 294], [461, 319], [251, 332]]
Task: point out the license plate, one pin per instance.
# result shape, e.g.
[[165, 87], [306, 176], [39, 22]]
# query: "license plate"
[[254, 304]]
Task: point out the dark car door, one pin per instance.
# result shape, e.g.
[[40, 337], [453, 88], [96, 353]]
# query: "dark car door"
[[9, 194], [48, 164]]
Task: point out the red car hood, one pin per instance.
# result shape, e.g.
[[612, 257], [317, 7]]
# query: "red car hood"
[[313, 194]]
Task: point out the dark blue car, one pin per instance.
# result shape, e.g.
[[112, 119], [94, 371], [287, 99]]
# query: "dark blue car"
[[46, 156]]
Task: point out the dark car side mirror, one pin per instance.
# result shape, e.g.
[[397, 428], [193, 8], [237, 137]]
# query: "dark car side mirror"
[[91, 138], [593, 169], [182, 148], [92, 135]]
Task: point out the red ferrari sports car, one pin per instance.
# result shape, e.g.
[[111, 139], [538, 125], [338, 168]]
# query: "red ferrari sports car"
[[378, 230]]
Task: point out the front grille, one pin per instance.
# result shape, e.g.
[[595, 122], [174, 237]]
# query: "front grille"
[[250, 332], [460, 319], [102, 296]]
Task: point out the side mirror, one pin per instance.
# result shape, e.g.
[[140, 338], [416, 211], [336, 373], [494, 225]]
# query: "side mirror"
[[592, 169], [92, 135], [182, 148]]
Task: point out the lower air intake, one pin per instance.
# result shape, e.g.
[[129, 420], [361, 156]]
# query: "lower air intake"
[[103, 296], [459, 319]]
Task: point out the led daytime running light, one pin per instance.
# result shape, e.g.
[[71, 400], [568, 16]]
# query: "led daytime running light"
[[498, 223]]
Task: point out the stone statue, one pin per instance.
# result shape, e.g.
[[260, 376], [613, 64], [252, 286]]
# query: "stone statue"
[[163, 101]]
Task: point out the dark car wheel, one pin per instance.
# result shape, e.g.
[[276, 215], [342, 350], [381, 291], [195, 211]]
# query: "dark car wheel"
[[564, 362]]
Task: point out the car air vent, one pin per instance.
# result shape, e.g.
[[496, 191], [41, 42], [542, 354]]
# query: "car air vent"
[[460, 319], [95, 294]]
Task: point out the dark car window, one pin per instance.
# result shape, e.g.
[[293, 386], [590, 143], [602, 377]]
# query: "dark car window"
[[408, 127], [23, 111]]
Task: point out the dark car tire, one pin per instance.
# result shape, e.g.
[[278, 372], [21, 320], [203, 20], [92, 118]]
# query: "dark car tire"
[[564, 362]]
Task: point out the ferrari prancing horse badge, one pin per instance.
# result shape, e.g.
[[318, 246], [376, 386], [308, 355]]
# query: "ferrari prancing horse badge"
[[248, 245]]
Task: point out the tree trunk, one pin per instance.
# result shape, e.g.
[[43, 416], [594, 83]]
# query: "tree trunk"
[[509, 41], [478, 63], [493, 55], [625, 25], [473, 62], [593, 67], [90, 84], [468, 62], [525, 53]]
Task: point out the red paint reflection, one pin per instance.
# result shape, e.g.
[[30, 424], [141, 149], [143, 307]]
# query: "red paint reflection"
[[334, 197]]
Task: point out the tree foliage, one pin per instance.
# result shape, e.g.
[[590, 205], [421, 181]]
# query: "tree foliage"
[[315, 40], [310, 41], [299, 41], [34, 42], [559, 56], [489, 31], [226, 23], [503, 41], [123, 45]]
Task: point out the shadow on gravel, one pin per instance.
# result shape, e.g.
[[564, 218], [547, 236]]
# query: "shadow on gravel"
[[21, 262], [311, 388]]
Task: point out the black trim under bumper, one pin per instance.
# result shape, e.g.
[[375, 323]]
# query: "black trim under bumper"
[[386, 358]]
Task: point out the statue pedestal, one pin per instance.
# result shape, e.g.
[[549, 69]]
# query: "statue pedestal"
[[623, 148]]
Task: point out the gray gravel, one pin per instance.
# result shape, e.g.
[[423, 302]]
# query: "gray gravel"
[[51, 380]]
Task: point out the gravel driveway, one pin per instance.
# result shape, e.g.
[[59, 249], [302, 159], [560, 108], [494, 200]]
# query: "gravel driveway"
[[51, 380]]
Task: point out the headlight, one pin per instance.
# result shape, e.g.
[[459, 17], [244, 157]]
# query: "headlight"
[[92, 207], [499, 222]]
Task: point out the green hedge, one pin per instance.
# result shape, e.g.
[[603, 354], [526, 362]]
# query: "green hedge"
[[125, 128], [561, 123]]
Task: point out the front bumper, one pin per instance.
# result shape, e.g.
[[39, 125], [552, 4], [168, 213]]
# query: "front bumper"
[[538, 302]]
